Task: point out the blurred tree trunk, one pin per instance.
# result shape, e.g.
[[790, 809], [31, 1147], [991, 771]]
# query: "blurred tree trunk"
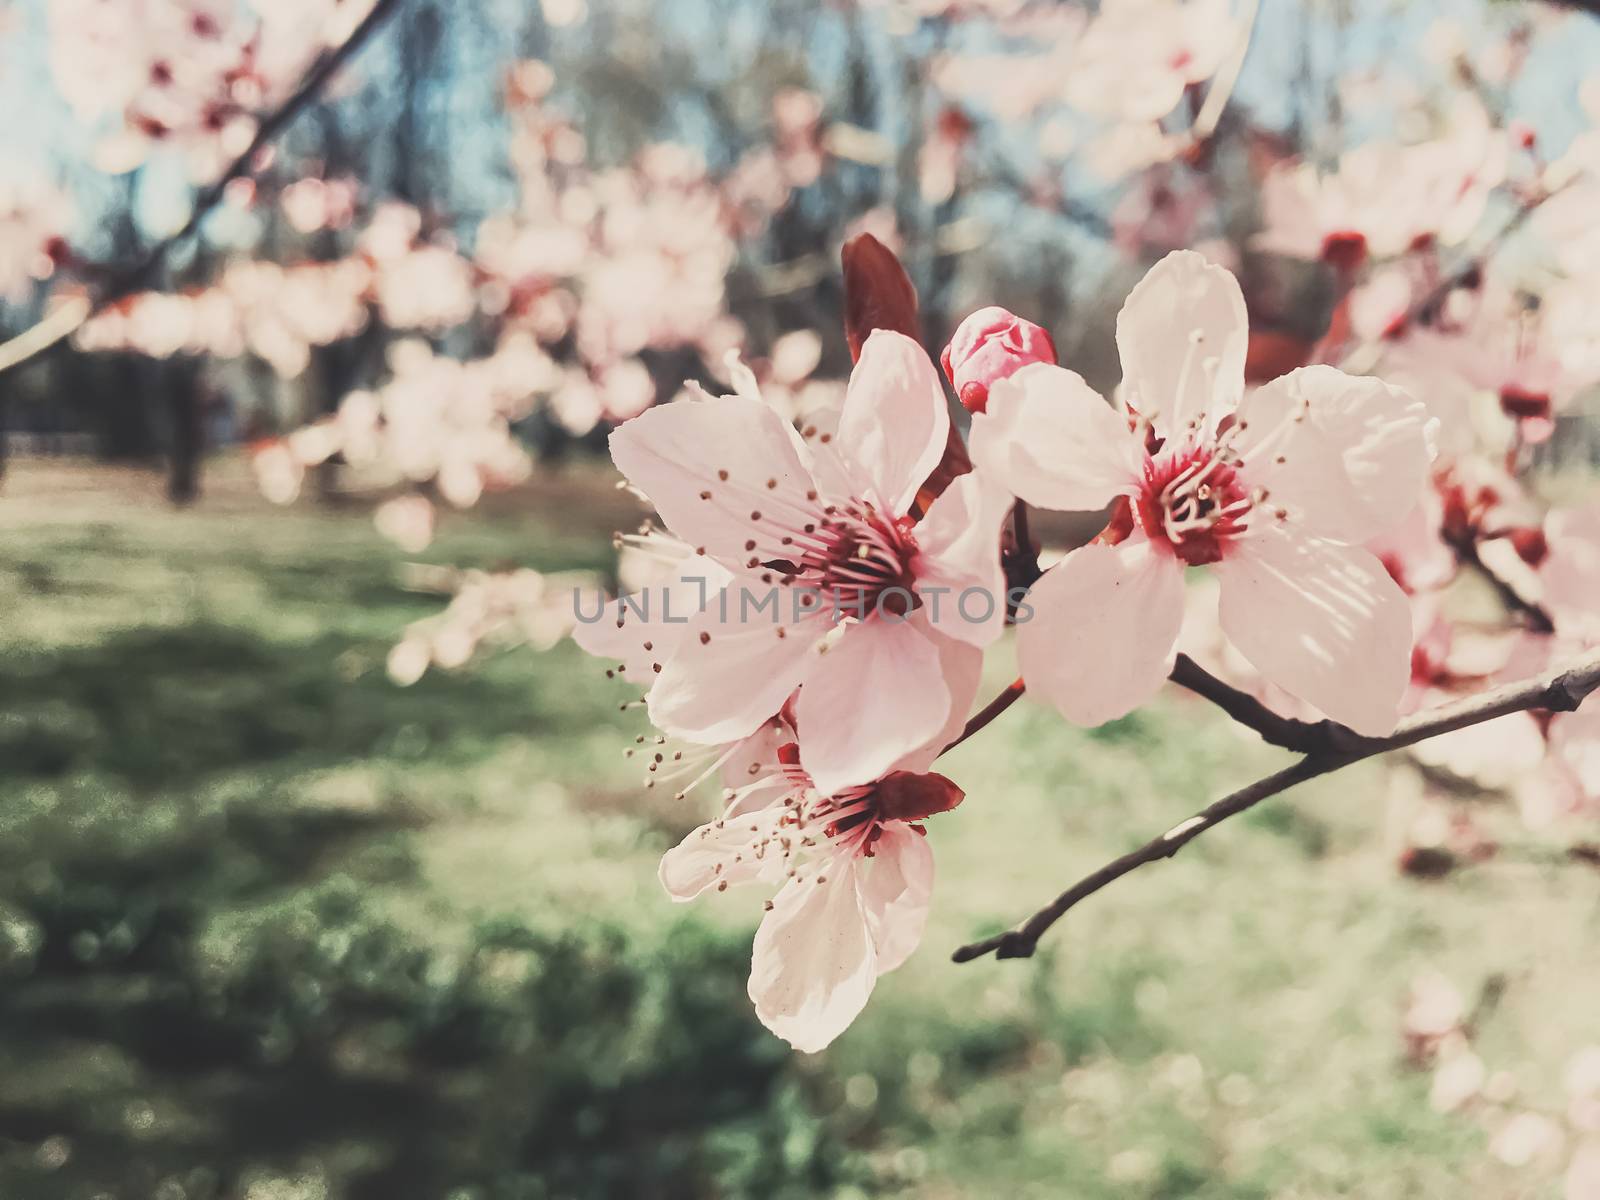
[[187, 409]]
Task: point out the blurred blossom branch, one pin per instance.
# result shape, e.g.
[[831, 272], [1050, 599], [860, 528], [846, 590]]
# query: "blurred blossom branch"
[[70, 314], [1225, 80], [1362, 357], [1560, 690], [1465, 547]]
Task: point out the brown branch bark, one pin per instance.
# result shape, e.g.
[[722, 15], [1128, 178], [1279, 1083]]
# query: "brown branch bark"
[[1560, 690], [1465, 548], [69, 318], [1303, 737]]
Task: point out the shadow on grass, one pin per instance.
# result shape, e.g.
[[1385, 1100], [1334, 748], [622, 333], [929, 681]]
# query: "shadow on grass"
[[205, 986], [165, 707]]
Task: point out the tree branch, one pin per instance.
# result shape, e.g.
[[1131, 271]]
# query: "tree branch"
[[69, 317], [1303, 737], [1560, 690], [1465, 548]]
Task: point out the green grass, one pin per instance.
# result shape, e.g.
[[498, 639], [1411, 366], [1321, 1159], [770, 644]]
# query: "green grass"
[[226, 841]]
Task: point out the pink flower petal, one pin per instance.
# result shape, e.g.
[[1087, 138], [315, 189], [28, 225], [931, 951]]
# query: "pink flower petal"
[[962, 666], [732, 669], [1347, 454], [1052, 441], [1104, 622], [959, 545], [678, 454], [656, 617], [876, 695], [1182, 335], [1323, 621], [813, 965], [896, 887], [722, 851], [895, 420]]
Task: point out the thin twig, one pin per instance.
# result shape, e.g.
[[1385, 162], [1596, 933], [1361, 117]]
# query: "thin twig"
[[69, 317], [989, 712], [1561, 690]]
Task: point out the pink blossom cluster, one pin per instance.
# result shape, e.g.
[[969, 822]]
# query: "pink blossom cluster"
[[839, 582], [189, 75], [438, 427], [1118, 90], [279, 313], [626, 260], [275, 313], [488, 610], [593, 270]]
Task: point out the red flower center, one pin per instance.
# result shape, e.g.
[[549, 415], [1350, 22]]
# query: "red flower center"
[[859, 560], [1193, 501], [857, 814]]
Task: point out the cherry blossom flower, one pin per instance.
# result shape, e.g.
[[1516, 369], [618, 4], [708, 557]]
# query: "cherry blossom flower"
[[854, 874], [837, 588], [1137, 56], [187, 74], [1274, 491], [1496, 338], [1014, 85], [34, 217], [990, 345], [1384, 199]]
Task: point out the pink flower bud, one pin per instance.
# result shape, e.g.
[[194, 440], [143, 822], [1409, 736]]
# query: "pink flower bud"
[[990, 345]]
